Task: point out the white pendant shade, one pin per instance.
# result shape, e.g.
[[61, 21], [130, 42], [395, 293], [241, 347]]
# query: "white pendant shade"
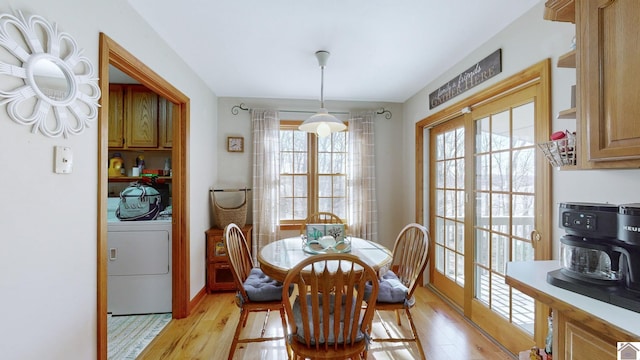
[[322, 123]]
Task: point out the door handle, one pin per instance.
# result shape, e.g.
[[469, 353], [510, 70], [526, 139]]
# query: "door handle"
[[113, 254], [535, 237]]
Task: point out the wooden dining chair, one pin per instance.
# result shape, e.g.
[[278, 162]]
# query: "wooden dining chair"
[[256, 292], [410, 255], [330, 317], [321, 218]]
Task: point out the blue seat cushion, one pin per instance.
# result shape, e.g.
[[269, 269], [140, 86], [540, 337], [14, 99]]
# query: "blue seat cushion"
[[331, 338], [391, 289], [260, 287]]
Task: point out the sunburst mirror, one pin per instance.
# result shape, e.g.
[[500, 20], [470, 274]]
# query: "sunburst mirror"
[[45, 81]]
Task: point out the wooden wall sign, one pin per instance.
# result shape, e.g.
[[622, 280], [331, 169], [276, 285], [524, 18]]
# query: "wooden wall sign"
[[475, 75]]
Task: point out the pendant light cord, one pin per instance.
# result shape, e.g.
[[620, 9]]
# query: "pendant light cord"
[[322, 87]]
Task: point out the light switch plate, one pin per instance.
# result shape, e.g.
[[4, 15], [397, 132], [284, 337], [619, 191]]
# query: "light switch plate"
[[63, 163]]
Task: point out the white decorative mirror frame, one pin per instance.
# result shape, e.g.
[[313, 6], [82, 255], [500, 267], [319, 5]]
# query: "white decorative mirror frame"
[[54, 91]]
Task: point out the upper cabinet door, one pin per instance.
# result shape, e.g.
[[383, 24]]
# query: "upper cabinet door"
[[165, 122], [142, 120], [609, 77], [116, 116]]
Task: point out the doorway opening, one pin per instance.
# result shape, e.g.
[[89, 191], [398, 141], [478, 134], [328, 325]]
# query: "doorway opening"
[[112, 53]]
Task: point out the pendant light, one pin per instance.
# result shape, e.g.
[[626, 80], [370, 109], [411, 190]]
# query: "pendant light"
[[322, 123]]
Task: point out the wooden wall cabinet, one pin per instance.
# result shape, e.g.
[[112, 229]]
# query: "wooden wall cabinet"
[[609, 78], [139, 118], [219, 276], [165, 122], [116, 116], [560, 10], [141, 108]]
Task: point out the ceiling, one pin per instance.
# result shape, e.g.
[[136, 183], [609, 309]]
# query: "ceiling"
[[381, 50]]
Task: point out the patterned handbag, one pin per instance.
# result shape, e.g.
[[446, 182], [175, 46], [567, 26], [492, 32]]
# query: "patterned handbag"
[[139, 202]]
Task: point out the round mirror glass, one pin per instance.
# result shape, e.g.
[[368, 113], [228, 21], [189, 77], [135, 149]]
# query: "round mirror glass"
[[51, 79]]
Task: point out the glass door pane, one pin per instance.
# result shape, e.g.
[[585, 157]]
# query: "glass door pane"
[[504, 209], [448, 147]]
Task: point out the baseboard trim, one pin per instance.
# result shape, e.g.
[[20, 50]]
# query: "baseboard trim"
[[196, 299]]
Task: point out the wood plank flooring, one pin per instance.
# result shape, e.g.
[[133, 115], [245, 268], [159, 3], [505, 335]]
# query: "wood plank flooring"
[[208, 331]]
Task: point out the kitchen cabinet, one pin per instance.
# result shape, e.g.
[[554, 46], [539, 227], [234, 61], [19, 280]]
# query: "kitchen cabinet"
[[133, 117], [578, 342], [607, 77], [560, 10], [219, 276], [116, 116], [140, 124], [141, 107], [583, 328], [165, 122]]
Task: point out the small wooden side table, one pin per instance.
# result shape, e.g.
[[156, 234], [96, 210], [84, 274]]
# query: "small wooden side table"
[[219, 276]]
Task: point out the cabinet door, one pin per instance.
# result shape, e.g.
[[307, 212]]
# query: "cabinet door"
[[608, 37], [583, 345], [215, 245], [116, 116], [142, 120], [165, 122]]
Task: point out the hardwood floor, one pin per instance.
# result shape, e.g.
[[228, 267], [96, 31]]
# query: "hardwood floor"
[[208, 332]]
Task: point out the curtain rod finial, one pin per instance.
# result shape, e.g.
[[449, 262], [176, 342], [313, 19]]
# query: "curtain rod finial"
[[236, 108], [387, 113]]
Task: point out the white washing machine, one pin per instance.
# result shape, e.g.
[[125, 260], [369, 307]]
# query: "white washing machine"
[[139, 267]]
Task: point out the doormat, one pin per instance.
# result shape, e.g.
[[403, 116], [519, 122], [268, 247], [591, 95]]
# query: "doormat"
[[129, 335]]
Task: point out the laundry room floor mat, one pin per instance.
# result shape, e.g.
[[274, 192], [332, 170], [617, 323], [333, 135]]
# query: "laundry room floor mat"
[[129, 335]]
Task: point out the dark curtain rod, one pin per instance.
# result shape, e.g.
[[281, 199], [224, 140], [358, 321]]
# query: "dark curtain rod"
[[236, 109], [228, 190]]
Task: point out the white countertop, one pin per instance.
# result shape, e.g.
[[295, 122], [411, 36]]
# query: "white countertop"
[[534, 274]]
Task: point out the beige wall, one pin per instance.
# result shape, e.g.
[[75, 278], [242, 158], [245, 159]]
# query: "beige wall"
[[48, 222]]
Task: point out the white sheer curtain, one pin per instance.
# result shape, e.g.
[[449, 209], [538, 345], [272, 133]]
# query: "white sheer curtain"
[[361, 177], [265, 126]]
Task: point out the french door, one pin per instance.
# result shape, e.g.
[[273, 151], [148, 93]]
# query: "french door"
[[486, 200], [448, 208], [505, 200]]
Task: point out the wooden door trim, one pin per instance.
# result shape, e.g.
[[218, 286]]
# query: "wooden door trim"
[[112, 53]]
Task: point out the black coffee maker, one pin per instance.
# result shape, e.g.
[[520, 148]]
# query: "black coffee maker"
[[600, 253], [629, 235]]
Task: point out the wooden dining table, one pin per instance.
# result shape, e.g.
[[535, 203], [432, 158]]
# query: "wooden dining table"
[[278, 257]]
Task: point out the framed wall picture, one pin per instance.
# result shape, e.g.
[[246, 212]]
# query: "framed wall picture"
[[235, 144]]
